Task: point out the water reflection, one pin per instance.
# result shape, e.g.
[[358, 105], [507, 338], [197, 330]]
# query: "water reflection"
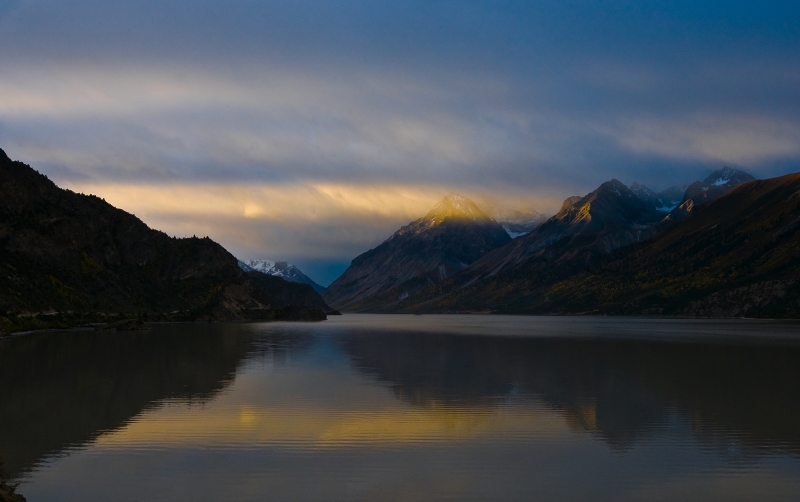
[[619, 389], [472, 408], [62, 390]]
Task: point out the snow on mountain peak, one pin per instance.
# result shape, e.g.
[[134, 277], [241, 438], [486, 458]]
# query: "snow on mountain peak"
[[281, 269], [263, 266], [727, 176]]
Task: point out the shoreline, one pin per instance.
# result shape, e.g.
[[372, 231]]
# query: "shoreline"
[[16, 334], [99, 327]]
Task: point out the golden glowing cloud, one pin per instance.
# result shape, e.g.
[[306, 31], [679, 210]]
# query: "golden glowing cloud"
[[295, 202], [286, 203], [313, 220]]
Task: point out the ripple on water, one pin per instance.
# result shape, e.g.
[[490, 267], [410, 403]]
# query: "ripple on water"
[[408, 408]]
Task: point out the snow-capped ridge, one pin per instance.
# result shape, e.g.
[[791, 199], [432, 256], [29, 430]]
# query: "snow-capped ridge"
[[716, 184], [263, 266], [281, 269]]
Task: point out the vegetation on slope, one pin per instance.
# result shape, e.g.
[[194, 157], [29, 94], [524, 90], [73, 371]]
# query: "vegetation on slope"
[[738, 255]]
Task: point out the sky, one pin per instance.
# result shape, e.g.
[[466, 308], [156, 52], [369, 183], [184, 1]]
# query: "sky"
[[309, 131]]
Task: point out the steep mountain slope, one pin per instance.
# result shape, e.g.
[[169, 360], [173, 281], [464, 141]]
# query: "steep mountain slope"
[[281, 269], [72, 253], [736, 255], [445, 241], [606, 219]]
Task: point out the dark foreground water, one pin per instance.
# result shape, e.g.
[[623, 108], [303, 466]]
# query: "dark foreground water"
[[411, 408]]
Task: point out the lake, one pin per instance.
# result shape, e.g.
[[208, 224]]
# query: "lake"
[[392, 407]]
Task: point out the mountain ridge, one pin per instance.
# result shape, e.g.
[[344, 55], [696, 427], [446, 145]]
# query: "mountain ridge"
[[67, 256], [585, 231], [608, 217], [738, 254]]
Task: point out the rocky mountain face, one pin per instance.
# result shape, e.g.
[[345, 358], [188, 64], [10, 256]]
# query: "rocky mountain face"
[[281, 269], [738, 255], [445, 241], [714, 186], [608, 218], [68, 254], [733, 256], [614, 216], [679, 200]]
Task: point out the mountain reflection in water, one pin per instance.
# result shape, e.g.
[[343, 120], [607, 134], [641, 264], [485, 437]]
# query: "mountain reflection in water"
[[620, 389], [462, 407], [64, 389]]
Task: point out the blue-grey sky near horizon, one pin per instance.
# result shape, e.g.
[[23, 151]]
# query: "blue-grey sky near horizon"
[[310, 130]]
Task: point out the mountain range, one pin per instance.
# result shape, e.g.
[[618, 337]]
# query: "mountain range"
[[67, 258], [618, 250], [728, 246]]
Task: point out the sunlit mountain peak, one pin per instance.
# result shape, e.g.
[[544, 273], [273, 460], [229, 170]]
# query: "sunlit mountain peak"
[[455, 206]]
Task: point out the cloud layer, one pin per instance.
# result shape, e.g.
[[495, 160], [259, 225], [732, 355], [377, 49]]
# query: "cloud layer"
[[268, 101]]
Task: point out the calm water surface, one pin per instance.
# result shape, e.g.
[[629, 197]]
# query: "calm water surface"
[[365, 407]]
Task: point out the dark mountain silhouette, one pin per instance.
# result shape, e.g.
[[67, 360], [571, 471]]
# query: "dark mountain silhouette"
[[732, 256], [74, 255], [452, 235], [285, 293]]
